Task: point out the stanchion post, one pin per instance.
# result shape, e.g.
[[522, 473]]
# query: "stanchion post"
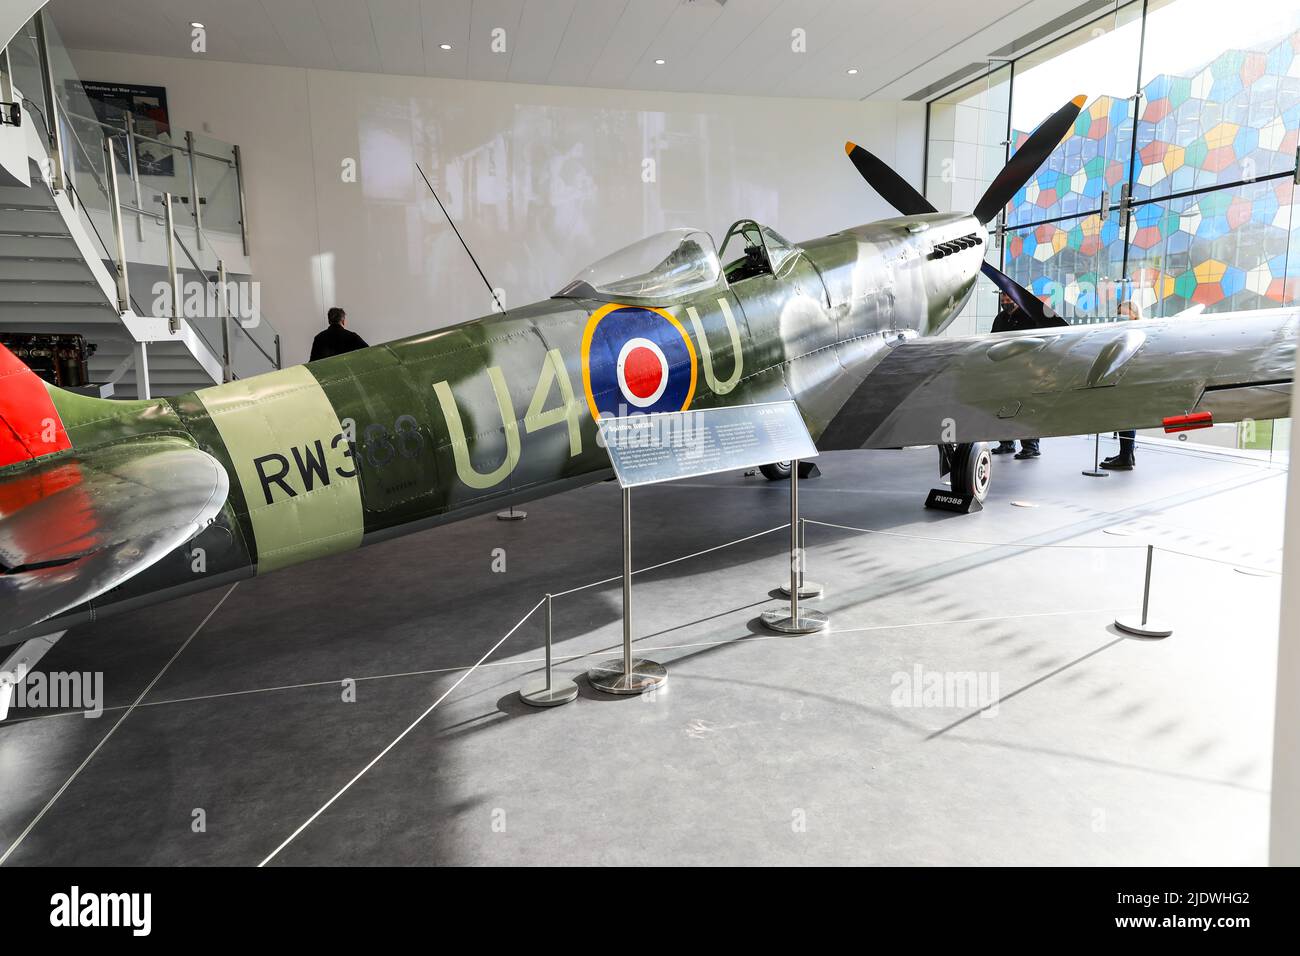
[[807, 589], [627, 675], [795, 621], [1097, 471], [547, 692], [1144, 627], [512, 514]]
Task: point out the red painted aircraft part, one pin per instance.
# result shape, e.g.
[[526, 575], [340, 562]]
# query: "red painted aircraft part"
[[1185, 423], [30, 426], [75, 529]]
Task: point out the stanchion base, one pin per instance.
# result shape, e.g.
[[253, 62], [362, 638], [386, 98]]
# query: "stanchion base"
[[512, 515], [808, 589], [537, 694], [610, 678], [808, 621], [1093, 473], [1134, 625]]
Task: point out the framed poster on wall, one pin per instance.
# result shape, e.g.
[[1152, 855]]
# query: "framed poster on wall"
[[147, 105]]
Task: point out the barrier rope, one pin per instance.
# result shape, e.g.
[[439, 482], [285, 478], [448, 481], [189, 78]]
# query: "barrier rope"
[[664, 564], [398, 739]]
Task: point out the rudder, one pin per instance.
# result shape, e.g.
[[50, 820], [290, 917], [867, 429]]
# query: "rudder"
[[30, 426]]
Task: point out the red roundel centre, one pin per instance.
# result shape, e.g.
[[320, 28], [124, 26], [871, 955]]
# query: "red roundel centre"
[[642, 372]]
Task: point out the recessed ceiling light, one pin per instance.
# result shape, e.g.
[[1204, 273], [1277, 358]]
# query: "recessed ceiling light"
[[195, 23], [660, 62], [852, 71], [444, 46]]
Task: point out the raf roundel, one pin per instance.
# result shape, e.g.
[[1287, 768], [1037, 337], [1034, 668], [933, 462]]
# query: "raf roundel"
[[636, 360]]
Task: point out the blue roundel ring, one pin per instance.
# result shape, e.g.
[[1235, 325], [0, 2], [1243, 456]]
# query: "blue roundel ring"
[[636, 360]]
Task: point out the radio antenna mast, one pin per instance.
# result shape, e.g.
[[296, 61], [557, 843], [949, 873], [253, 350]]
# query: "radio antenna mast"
[[462, 239]]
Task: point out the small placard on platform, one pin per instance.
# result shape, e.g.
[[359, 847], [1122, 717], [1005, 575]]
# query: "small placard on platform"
[[646, 449], [946, 500]]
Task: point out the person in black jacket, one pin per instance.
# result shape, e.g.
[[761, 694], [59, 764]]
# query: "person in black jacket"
[[1012, 318], [336, 339]]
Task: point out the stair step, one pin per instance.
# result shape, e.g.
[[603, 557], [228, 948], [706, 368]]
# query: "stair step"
[[171, 364], [26, 195], [39, 247], [66, 269], [53, 293], [13, 281], [44, 316], [32, 222]]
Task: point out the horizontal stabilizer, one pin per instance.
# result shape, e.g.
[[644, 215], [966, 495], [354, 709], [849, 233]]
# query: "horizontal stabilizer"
[[74, 527]]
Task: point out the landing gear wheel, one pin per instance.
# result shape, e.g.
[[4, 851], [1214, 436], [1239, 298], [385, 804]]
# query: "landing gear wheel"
[[972, 470], [777, 471]]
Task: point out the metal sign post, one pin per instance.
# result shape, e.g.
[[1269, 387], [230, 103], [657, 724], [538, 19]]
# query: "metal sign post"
[[628, 674], [798, 620], [648, 449]]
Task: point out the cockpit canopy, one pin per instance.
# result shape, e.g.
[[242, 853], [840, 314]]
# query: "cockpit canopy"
[[667, 265], [760, 250], [679, 263]]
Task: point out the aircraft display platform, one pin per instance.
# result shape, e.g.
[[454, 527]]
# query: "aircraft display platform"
[[1098, 748]]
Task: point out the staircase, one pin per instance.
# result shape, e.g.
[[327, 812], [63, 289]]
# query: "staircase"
[[62, 237], [53, 279]]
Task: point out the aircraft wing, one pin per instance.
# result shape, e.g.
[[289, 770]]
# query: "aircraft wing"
[[1072, 381], [73, 527]]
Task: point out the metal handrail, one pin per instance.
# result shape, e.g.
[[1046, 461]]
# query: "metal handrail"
[[275, 362], [95, 229], [209, 284], [53, 123], [228, 160]]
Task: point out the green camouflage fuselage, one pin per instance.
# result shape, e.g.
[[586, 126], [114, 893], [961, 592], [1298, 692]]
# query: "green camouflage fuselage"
[[350, 450]]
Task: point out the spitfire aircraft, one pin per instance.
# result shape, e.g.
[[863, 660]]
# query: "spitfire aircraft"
[[108, 505]]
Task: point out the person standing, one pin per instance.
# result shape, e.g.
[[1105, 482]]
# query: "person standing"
[[1125, 460], [1012, 318], [336, 339]]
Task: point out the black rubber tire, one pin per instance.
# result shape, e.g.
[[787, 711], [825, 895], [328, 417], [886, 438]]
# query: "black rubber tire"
[[972, 470], [777, 471]]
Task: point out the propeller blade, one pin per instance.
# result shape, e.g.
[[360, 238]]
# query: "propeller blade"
[[893, 188], [1033, 306], [1026, 160]]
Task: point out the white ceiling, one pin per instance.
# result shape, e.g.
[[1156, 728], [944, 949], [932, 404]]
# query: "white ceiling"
[[736, 46]]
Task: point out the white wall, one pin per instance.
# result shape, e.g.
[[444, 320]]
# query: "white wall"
[[541, 180]]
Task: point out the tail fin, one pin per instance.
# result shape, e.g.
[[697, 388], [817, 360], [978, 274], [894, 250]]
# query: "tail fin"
[[30, 426]]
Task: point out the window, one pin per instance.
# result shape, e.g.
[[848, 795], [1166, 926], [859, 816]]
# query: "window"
[[1176, 186]]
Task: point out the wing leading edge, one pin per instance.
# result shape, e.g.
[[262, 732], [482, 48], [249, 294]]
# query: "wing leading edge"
[[1072, 381]]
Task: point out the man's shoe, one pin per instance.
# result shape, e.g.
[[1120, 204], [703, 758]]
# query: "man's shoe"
[[1118, 463], [1004, 448], [1027, 453]]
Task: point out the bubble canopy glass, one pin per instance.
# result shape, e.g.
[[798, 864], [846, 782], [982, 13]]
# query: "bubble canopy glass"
[[667, 265]]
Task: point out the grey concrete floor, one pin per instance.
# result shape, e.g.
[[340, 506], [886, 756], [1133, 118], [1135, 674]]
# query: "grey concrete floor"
[[1096, 749]]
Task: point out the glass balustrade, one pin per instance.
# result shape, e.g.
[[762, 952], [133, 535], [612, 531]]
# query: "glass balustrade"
[[119, 179]]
